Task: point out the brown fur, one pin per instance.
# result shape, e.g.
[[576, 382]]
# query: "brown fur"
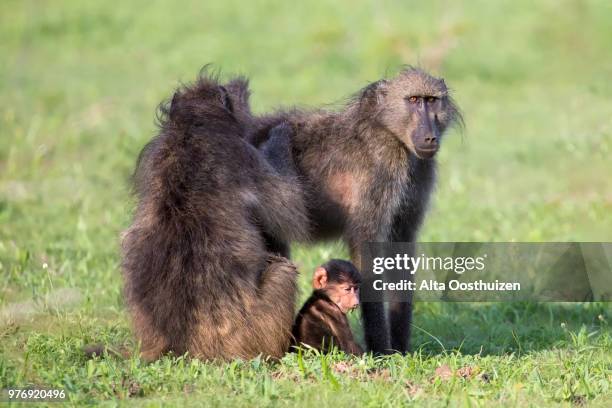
[[344, 189], [199, 260], [367, 172], [321, 324], [200, 275]]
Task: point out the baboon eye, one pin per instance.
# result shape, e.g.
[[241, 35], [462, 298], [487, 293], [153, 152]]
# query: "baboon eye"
[[413, 99], [431, 99]]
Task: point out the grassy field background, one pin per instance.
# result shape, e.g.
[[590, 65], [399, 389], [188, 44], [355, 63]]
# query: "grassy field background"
[[79, 84]]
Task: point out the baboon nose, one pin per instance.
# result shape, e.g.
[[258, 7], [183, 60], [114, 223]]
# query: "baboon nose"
[[431, 140]]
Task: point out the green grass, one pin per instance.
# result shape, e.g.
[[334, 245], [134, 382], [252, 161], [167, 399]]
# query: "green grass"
[[79, 84]]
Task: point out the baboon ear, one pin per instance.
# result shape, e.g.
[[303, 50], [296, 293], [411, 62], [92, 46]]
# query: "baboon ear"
[[176, 110], [239, 89], [374, 94], [319, 280], [225, 99]]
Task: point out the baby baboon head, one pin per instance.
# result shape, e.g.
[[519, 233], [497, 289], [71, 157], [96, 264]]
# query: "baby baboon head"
[[416, 108]]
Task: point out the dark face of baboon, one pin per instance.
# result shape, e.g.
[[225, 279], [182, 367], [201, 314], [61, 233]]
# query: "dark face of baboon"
[[417, 109]]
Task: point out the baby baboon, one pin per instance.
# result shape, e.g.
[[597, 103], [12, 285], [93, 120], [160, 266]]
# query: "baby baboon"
[[322, 322], [367, 172], [199, 276]]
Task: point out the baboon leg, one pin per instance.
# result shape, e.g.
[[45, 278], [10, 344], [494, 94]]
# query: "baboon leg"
[[400, 312], [275, 309], [375, 327], [375, 331], [400, 319]]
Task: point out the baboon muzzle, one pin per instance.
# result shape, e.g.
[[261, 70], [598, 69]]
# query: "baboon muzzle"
[[426, 136]]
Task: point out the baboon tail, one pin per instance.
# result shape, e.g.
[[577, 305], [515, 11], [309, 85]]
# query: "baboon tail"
[[100, 350]]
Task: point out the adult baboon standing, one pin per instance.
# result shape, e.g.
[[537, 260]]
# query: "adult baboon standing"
[[367, 172]]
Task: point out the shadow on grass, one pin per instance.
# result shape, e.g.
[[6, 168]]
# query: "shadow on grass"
[[504, 328]]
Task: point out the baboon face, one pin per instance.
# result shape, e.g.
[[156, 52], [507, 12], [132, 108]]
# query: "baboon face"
[[345, 295], [340, 281], [416, 108]]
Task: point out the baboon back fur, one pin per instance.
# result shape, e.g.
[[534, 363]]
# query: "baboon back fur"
[[199, 276]]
